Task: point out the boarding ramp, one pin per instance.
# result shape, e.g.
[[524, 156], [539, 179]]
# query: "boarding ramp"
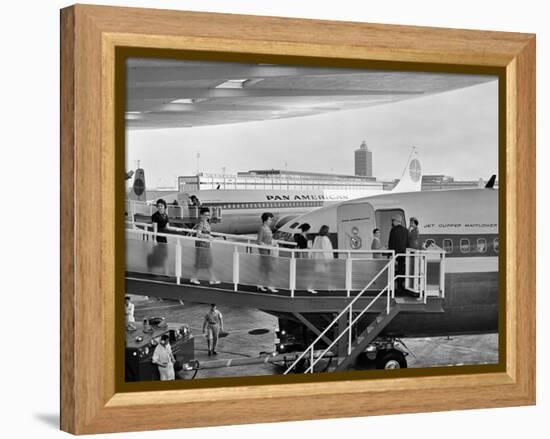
[[245, 264], [354, 285]]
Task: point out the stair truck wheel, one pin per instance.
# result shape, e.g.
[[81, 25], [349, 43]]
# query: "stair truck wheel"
[[393, 359]]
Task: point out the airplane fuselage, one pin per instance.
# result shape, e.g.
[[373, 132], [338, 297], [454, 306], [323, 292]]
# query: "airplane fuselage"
[[462, 222], [242, 209]]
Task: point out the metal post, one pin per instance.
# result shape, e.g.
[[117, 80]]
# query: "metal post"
[[311, 363], [292, 280], [178, 261], [235, 268], [425, 278], [407, 281], [349, 262], [389, 280], [350, 321], [392, 281], [417, 268], [424, 269], [442, 276]]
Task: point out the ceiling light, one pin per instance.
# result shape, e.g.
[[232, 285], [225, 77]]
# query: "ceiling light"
[[133, 115], [232, 83], [183, 101]]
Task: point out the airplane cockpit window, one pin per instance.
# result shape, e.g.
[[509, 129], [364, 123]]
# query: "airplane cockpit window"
[[448, 245], [294, 225], [481, 245], [495, 245], [464, 245]]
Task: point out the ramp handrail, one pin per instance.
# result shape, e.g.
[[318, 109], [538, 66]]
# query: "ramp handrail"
[[259, 246], [389, 287], [229, 236]]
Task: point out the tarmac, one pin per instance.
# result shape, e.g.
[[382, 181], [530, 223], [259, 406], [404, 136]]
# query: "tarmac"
[[251, 332]]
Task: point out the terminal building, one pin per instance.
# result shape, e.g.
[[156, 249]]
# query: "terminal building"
[[277, 179]]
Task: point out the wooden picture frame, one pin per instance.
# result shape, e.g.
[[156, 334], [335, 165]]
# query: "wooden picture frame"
[[90, 38]]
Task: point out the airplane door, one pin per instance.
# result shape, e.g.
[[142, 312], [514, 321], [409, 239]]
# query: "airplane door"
[[355, 225]]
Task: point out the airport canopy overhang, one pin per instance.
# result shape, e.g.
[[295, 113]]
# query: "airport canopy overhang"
[[164, 94]]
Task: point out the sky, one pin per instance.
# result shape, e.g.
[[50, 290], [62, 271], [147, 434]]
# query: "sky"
[[455, 133]]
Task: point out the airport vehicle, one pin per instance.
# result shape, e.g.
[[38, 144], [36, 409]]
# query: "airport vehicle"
[[141, 341], [455, 277], [242, 208]]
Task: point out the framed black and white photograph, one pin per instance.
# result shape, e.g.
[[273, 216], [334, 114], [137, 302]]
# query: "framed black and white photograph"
[[286, 219]]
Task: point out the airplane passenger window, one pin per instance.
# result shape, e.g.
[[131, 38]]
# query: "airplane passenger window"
[[429, 243], [464, 245], [448, 245], [481, 245], [495, 245]]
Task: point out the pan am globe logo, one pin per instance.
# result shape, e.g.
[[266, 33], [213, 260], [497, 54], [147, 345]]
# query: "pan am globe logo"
[[415, 170], [139, 186], [355, 240]]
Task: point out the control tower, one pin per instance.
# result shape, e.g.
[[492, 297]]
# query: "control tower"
[[363, 161]]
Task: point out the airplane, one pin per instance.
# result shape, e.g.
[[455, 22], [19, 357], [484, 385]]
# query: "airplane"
[[464, 223], [242, 208]]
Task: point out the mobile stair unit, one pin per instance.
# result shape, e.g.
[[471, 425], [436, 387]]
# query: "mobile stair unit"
[[349, 343]]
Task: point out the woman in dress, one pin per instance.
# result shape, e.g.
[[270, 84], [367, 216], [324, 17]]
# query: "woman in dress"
[[265, 238], [301, 240], [322, 242], [160, 217], [203, 252], [159, 256]]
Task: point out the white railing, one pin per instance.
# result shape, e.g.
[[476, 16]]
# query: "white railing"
[[416, 272], [293, 265], [230, 237], [135, 207]]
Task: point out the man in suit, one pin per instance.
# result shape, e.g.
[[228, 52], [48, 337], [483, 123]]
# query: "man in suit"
[[398, 242]]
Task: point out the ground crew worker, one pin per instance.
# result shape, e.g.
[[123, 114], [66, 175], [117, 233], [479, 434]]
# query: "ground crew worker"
[[213, 323], [164, 359], [129, 310]]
